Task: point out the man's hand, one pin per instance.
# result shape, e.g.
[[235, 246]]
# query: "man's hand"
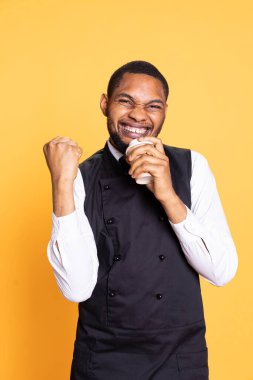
[[62, 155], [152, 159]]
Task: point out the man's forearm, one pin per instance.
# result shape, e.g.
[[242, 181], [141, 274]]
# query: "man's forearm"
[[174, 208], [63, 197]]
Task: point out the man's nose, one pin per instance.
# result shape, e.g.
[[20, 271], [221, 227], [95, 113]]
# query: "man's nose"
[[138, 113]]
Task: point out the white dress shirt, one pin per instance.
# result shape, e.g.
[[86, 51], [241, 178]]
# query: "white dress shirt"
[[204, 236]]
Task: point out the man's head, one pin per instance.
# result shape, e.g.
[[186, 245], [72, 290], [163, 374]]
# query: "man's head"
[[135, 104]]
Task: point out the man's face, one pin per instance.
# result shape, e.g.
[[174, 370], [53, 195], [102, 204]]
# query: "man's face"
[[136, 108]]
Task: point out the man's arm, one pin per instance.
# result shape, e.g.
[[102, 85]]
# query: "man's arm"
[[71, 250], [204, 234], [203, 231]]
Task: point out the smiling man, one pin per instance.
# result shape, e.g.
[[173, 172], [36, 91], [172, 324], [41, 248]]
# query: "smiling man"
[[135, 107], [131, 254]]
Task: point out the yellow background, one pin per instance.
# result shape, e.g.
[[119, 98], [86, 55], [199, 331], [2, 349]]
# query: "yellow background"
[[55, 61]]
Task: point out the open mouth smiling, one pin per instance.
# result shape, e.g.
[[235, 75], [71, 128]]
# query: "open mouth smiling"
[[134, 130]]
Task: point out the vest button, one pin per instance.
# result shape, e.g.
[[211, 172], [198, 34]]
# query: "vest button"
[[106, 187], [117, 258], [161, 257], [159, 296], [112, 293], [109, 221], [161, 218]]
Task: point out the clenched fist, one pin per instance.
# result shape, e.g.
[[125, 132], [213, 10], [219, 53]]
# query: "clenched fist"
[[62, 155]]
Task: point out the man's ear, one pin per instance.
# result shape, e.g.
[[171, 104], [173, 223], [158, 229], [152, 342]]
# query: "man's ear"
[[104, 104]]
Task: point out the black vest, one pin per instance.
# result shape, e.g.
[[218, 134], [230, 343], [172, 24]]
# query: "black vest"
[[145, 284]]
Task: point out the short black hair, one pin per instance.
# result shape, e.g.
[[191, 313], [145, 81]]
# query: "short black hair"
[[136, 67]]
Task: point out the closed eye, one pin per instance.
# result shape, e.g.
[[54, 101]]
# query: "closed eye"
[[155, 106], [124, 101]]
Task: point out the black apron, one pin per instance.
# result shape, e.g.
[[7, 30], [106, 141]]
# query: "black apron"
[[145, 317]]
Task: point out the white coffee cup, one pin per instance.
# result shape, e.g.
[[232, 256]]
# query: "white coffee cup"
[[143, 178]]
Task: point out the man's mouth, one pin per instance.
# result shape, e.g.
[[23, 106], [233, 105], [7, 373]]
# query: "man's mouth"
[[133, 131]]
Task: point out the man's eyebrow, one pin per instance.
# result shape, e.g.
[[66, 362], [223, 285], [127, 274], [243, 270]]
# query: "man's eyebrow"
[[124, 94], [156, 101]]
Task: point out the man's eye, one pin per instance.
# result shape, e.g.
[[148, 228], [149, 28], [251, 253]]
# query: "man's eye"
[[153, 106], [124, 101]]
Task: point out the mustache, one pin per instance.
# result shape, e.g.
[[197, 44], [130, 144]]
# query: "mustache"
[[134, 124]]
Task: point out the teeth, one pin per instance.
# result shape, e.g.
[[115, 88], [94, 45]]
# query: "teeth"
[[135, 130]]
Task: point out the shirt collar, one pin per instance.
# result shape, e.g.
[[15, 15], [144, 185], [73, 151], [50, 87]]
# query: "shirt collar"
[[115, 152]]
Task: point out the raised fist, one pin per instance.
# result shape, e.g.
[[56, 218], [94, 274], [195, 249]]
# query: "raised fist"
[[62, 156]]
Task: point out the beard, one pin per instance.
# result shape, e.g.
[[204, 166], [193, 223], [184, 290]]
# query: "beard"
[[117, 142], [115, 139]]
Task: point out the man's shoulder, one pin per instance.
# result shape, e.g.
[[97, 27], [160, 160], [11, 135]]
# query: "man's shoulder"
[[180, 159], [196, 157], [176, 150], [94, 159]]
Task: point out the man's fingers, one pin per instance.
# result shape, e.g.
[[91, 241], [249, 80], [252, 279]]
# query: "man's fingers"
[[65, 140], [148, 149], [60, 139], [157, 142], [62, 142], [148, 167], [146, 160], [56, 139]]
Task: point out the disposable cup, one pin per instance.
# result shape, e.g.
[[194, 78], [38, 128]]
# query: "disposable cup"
[[143, 178]]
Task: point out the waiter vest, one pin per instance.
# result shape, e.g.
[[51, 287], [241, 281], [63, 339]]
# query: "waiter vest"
[[147, 300]]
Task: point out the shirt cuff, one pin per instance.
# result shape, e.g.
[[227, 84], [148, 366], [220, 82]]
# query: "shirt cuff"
[[190, 229]]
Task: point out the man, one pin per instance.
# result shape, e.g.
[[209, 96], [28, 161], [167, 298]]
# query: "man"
[[131, 254]]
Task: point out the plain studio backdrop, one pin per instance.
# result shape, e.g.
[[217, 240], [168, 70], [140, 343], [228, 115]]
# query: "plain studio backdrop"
[[56, 60]]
